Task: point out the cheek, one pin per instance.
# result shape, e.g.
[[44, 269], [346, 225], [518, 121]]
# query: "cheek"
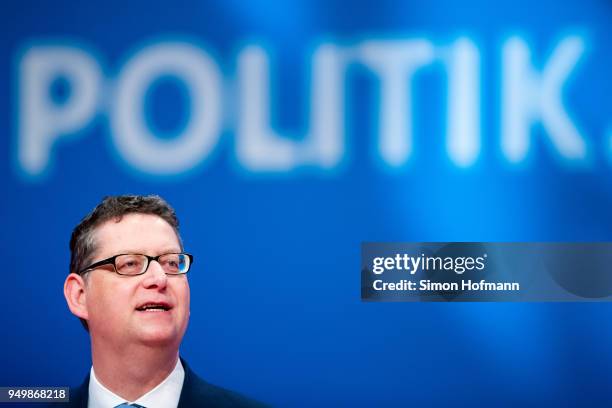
[[183, 295], [107, 301], [186, 306]]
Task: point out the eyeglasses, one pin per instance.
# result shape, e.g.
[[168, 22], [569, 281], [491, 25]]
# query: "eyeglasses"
[[137, 264]]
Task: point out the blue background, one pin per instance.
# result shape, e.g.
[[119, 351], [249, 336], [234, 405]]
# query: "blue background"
[[276, 309]]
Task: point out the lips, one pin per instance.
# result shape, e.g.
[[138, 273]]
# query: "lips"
[[154, 306]]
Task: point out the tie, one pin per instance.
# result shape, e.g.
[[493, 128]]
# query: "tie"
[[125, 404]]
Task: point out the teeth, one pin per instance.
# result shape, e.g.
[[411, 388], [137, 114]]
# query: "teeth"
[[158, 308]]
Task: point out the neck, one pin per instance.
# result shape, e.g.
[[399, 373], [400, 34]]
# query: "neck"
[[131, 372]]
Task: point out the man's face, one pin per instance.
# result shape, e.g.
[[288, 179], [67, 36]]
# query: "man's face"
[[113, 300]]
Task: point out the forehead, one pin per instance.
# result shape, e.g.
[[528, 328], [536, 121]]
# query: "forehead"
[[135, 233]]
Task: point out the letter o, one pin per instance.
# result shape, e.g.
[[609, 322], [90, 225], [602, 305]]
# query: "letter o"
[[132, 137]]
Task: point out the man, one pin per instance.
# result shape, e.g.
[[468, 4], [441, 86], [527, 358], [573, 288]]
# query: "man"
[[128, 285]]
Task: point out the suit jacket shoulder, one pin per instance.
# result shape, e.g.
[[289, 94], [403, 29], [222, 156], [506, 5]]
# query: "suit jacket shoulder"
[[198, 393], [195, 393], [79, 396]]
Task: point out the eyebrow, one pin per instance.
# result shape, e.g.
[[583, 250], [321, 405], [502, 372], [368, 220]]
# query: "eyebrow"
[[173, 250]]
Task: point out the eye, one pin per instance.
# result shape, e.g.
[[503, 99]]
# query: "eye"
[[171, 263], [129, 264]]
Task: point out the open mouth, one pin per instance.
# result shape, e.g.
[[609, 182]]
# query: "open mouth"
[[154, 307]]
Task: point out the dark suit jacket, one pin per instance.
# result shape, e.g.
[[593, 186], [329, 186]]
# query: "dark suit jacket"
[[195, 393]]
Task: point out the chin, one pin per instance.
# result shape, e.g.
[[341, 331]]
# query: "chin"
[[158, 337]]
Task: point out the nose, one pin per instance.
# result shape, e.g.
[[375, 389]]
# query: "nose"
[[155, 277]]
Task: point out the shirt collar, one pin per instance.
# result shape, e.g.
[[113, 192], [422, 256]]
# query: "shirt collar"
[[165, 394]]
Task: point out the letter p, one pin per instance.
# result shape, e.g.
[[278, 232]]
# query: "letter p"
[[42, 121]]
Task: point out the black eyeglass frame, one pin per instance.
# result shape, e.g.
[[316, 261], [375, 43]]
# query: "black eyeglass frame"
[[111, 261]]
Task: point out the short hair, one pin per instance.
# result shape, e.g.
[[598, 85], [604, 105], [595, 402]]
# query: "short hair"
[[83, 243]]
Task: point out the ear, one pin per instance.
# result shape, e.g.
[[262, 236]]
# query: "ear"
[[76, 295]]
